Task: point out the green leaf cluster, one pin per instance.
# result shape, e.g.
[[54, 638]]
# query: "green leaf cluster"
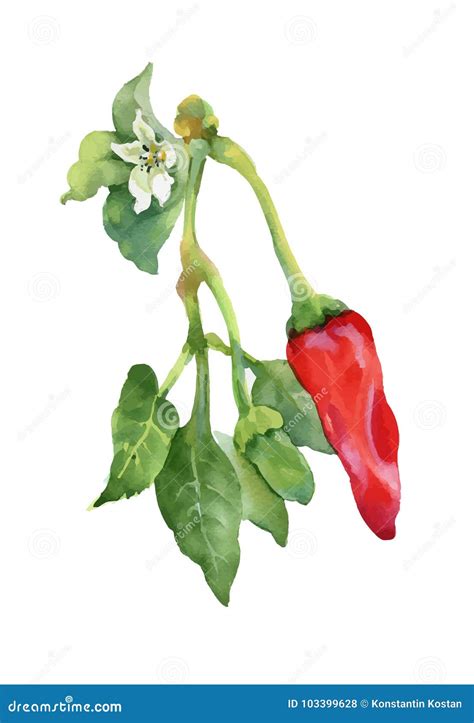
[[139, 236]]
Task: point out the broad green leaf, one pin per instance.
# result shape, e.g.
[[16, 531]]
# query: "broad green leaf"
[[96, 146], [199, 497], [257, 421], [276, 386], [282, 465], [140, 236], [260, 504], [143, 426], [97, 166], [132, 96]]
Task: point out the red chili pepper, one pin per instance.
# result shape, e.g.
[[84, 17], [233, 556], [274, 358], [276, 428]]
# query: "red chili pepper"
[[337, 364]]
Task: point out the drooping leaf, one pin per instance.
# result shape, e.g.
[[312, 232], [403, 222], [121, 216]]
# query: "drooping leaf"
[[132, 96], [276, 386], [282, 465], [199, 494], [199, 497], [260, 504], [140, 236], [258, 420], [143, 425], [97, 166]]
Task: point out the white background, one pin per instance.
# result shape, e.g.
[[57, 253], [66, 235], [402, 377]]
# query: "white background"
[[360, 118]]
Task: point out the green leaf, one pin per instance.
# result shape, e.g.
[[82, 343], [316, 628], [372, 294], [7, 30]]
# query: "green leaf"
[[276, 386], [96, 146], [282, 465], [199, 497], [143, 426], [132, 96], [141, 236], [97, 166], [257, 421], [260, 504]]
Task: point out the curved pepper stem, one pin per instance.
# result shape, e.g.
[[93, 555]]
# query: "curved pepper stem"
[[309, 308]]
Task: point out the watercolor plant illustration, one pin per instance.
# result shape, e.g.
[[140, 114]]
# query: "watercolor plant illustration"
[[327, 395]]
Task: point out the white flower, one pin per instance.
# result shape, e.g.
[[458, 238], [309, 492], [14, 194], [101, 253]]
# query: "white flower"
[[151, 159]]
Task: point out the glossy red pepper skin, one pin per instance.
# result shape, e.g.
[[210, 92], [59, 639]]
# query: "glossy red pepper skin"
[[337, 364]]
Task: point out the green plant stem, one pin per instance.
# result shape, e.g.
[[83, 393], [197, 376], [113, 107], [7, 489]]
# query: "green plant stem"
[[226, 151], [197, 346], [215, 342], [200, 415], [176, 370], [193, 257]]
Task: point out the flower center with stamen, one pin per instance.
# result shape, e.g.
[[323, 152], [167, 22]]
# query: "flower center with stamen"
[[151, 157]]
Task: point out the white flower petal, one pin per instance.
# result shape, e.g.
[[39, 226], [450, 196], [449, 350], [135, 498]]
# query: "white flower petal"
[[161, 185], [140, 188], [142, 130], [170, 154], [129, 152]]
